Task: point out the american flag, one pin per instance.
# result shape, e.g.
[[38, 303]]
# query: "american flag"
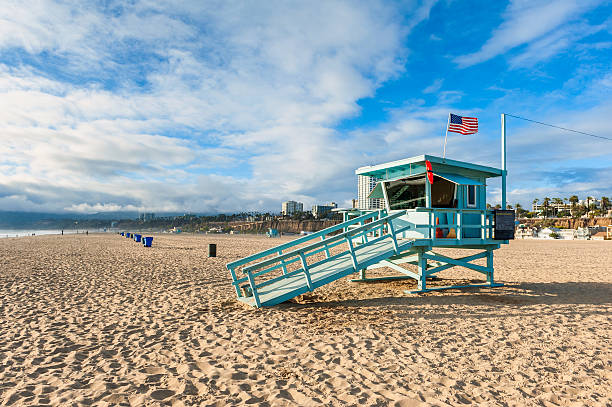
[[463, 125]]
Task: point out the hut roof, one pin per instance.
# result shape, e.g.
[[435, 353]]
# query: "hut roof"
[[416, 165]]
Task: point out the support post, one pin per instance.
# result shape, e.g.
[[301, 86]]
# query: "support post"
[[234, 279], [503, 159], [459, 222], [306, 272], [490, 266], [392, 232], [352, 252], [364, 235], [283, 265], [422, 270], [483, 224], [327, 254], [254, 289]]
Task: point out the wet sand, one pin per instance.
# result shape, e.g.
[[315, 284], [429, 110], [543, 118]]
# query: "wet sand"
[[100, 320]]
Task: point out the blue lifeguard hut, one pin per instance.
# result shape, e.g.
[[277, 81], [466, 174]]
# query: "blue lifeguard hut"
[[423, 203]]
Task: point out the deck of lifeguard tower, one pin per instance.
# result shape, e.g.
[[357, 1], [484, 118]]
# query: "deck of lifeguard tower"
[[393, 238]]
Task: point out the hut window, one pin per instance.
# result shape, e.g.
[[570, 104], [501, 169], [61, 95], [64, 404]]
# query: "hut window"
[[443, 193], [471, 196], [406, 193]]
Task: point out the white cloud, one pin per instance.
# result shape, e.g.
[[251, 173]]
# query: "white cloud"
[[247, 89], [435, 86], [219, 106], [526, 21]]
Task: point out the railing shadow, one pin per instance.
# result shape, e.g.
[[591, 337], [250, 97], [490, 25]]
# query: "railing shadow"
[[512, 294]]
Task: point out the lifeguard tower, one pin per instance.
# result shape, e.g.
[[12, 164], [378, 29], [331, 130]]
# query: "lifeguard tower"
[[272, 233], [425, 203]]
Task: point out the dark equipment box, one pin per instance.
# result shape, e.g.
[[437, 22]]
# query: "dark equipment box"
[[504, 224]]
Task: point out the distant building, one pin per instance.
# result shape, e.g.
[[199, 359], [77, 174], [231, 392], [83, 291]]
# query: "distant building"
[[599, 236], [590, 202], [596, 229], [319, 211], [582, 233], [146, 216], [354, 203], [291, 207], [525, 232], [365, 185], [546, 232], [567, 234], [552, 207]]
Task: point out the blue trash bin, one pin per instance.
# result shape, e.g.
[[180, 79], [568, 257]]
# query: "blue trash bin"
[[147, 241], [128, 235], [122, 233], [137, 238]]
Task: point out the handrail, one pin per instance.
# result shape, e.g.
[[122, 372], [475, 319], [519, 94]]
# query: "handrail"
[[468, 210], [303, 239], [315, 245], [485, 223]]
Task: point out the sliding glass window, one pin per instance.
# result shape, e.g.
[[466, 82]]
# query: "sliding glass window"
[[406, 193]]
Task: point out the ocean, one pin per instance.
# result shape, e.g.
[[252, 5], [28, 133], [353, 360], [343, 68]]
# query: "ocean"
[[4, 233]]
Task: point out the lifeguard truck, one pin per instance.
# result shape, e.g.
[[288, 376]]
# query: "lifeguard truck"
[[427, 203]]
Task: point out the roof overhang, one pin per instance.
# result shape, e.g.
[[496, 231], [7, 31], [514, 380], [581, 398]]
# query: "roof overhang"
[[416, 165], [458, 179]]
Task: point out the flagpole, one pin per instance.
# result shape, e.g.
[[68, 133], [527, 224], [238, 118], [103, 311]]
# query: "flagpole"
[[445, 136], [503, 160]]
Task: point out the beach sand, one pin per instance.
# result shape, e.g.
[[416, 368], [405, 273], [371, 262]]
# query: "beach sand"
[[98, 319]]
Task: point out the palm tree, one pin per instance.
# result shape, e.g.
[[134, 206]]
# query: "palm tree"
[[574, 200], [546, 203], [605, 203], [588, 205], [519, 209], [558, 202]]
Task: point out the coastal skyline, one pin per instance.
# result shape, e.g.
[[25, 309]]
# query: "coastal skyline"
[[230, 106]]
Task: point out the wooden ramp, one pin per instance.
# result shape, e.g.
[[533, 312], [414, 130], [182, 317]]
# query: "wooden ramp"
[[368, 239], [324, 273]]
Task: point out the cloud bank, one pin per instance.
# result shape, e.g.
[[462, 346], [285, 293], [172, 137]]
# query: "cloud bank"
[[204, 106], [224, 106]]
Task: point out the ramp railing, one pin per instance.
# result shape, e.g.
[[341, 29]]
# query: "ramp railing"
[[377, 224]]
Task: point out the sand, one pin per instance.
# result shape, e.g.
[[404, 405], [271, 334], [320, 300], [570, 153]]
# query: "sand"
[[100, 320]]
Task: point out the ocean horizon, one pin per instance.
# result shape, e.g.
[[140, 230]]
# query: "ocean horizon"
[[4, 233]]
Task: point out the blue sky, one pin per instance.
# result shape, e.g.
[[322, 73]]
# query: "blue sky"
[[222, 106]]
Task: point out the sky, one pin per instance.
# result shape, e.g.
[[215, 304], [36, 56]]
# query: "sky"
[[230, 106]]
